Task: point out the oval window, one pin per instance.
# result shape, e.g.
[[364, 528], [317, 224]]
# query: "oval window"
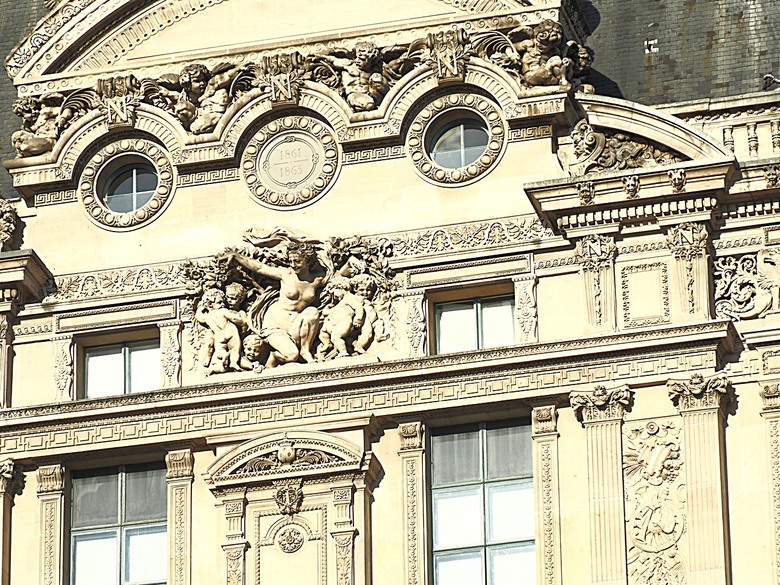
[[129, 185], [458, 140]]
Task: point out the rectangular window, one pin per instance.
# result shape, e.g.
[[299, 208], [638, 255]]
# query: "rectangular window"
[[118, 526], [482, 502], [122, 368], [478, 323]]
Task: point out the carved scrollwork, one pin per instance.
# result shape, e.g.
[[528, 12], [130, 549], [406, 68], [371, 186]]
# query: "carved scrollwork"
[[613, 151], [287, 455], [284, 299], [89, 184], [290, 162], [8, 220], [467, 102], [748, 286]]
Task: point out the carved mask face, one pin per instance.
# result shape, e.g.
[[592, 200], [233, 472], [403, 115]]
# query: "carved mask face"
[[252, 351], [297, 262]]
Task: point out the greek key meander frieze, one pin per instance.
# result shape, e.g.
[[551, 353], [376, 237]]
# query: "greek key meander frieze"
[[180, 421]]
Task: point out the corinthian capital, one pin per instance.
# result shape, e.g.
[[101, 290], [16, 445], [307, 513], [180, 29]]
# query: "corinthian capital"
[[699, 392], [601, 404]]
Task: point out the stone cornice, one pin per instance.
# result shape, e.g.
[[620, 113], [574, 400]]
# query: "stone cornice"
[[520, 368], [560, 201]]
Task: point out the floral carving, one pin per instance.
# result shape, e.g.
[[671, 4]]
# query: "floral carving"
[[699, 392], [613, 151], [290, 539], [284, 299], [655, 503], [8, 221], [287, 456], [748, 286]]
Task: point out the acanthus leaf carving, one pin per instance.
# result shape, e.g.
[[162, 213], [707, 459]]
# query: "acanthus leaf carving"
[[700, 392], [288, 456], [411, 434], [601, 404]]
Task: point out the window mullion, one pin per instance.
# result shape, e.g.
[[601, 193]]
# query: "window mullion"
[[478, 322], [126, 368]]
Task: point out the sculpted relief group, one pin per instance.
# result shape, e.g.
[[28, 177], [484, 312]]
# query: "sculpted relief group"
[[284, 299], [198, 97]]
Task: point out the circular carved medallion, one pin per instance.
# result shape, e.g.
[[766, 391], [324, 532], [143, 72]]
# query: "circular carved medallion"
[[290, 540], [451, 108], [290, 162], [124, 155]]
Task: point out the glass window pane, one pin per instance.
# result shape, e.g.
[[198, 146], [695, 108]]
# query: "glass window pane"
[[146, 555], [145, 495], [462, 568], [105, 372], [457, 517], [456, 327], [145, 368], [121, 183], [509, 451], [95, 559], [510, 511], [512, 565], [121, 203], [455, 458], [145, 179], [498, 323], [95, 500]]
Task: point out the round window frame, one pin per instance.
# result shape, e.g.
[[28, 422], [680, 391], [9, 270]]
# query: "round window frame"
[[274, 133], [449, 120], [119, 164], [109, 160], [442, 111]]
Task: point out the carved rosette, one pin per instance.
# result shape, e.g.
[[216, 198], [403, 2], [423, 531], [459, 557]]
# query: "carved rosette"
[[416, 139], [601, 404], [89, 183], [290, 162], [700, 393], [290, 539]]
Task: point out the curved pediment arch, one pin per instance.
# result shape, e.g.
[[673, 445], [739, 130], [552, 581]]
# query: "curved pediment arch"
[[648, 123], [98, 35], [282, 455]]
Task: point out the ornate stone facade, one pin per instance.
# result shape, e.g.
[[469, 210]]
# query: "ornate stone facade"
[[446, 234]]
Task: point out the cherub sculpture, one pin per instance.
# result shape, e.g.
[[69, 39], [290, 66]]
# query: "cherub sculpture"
[[342, 320], [538, 56], [38, 133], [366, 74], [222, 341]]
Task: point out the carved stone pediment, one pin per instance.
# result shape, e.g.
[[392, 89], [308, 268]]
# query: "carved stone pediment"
[[285, 455]]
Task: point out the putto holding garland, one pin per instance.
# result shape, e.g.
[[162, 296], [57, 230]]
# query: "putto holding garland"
[[285, 299]]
